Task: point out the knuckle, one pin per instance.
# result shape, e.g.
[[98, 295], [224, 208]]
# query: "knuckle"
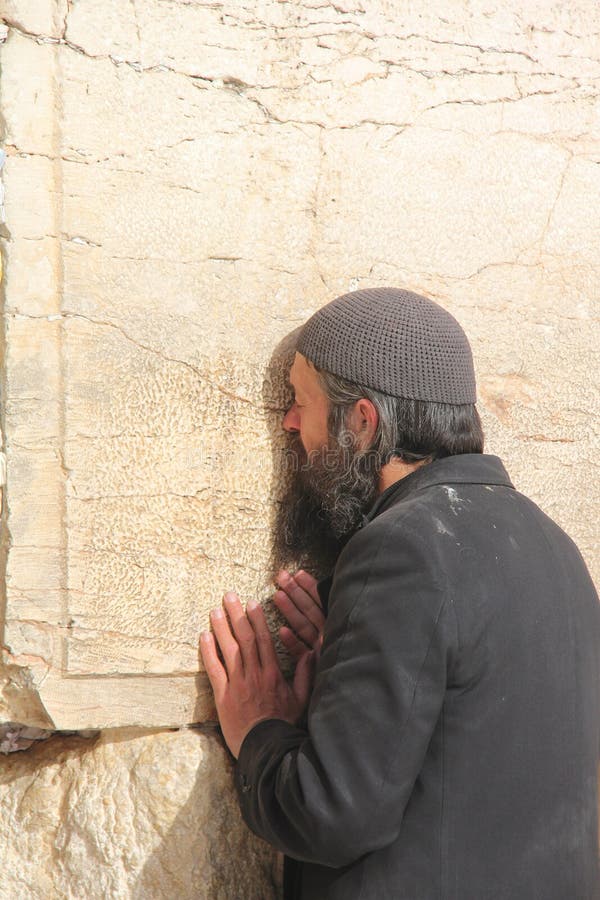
[[233, 655]]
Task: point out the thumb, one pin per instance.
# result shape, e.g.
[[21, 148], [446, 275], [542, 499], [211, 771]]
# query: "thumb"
[[304, 677]]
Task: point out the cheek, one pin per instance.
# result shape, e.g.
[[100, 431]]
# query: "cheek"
[[314, 427]]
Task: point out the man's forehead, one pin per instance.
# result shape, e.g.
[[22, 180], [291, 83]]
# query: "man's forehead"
[[299, 370]]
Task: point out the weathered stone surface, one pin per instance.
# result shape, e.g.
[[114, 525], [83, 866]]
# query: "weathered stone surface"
[[185, 184], [128, 816]]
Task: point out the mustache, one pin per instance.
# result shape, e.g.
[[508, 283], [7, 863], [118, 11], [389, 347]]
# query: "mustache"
[[338, 454]]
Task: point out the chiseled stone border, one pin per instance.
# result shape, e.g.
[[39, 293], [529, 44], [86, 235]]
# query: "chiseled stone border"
[[37, 688]]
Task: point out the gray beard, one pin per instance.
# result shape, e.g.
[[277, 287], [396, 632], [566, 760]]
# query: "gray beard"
[[324, 498]]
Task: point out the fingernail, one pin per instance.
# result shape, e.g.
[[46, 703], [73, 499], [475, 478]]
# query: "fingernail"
[[217, 613], [230, 597], [252, 605], [205, 636]]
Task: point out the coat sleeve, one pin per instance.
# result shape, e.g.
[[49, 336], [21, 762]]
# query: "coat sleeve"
[[338, 789]]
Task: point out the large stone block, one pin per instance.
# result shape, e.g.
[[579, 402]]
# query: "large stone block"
[[128, 816], [185, 184]]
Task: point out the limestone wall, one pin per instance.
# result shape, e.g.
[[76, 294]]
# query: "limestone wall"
[[185, 183], [128, 815]]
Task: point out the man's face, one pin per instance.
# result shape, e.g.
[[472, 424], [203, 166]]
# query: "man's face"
[[307, 416], [329, 481]]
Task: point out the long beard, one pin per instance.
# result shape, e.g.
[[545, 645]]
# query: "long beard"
[[325, 496]]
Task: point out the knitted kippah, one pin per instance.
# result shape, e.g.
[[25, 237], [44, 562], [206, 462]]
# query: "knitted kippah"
[[394, 341]]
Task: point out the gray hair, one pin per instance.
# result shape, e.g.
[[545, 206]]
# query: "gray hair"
[[410, 430]]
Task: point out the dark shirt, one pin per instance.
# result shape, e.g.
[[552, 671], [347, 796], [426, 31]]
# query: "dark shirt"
[[452, 738]]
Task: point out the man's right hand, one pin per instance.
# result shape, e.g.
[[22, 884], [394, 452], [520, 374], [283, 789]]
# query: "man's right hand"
[[298, 601]]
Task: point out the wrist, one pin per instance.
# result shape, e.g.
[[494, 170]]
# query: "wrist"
[[235, 747]]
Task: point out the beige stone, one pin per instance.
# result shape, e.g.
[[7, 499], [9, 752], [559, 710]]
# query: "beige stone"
[[128, 816], [37, 17], [185, 184]]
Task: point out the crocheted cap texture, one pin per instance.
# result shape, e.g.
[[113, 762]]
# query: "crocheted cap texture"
[[394, 341]]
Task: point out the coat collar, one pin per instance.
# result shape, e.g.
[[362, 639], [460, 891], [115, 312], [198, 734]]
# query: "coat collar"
[[466, 468]]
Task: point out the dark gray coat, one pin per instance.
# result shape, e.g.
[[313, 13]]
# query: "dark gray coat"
[[453, 734]]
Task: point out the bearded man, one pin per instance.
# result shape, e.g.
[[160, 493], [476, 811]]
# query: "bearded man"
[[444, 742]]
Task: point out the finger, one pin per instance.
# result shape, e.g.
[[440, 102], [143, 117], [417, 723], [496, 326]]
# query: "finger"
[[212, 664], [228, 645], [242, 630], [292, 644], [303, 600], [308, 584], [264, 641], [303, 627]]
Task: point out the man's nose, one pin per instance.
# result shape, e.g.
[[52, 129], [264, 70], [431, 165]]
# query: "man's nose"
[[291, 420]]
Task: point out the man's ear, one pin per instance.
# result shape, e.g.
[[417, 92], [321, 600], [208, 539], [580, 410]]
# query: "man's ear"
[[364, 420]]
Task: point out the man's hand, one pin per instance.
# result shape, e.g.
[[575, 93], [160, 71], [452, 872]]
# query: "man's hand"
[[249, 686], [298, 601]]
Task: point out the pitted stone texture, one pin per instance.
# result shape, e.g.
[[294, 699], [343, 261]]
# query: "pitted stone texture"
[[128, 817], [185, 184]]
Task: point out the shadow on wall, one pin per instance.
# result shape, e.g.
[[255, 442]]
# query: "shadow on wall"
[[208, 853], [277, 397]]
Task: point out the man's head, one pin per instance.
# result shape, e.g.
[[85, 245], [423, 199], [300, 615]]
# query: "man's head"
[[381, 378]]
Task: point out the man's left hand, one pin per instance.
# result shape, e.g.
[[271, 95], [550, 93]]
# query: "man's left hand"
[[248, 685]]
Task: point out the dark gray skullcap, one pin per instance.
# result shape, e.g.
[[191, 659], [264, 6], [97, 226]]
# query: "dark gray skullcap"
[[394, 341]]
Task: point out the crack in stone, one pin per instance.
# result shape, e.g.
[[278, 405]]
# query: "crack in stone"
[[156, 496], [65, 314], [71, 315], [474, 47], [56, 627], [546, 227], [13, 150], [471, 102], [314, 208], [492, 265], [542, 438], [137, 27], [115, 60], [77, 239]]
